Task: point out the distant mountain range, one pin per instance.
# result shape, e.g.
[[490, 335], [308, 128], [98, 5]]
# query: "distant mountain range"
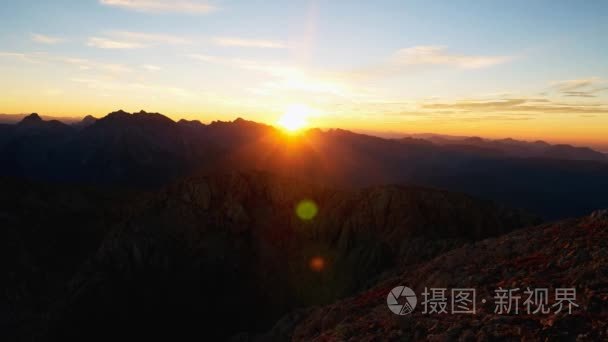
[[149, 150], [15, 118], [518, 148]]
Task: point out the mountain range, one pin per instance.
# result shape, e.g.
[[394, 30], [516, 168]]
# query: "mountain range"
[[519, 148], [134, 226], [149, 149]]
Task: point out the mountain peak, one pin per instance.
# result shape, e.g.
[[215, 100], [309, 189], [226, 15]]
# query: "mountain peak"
[[119, 112], [32, 118], [86, 121], [190, 123]]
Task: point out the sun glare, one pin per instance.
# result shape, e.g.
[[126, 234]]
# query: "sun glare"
[[295, 118]]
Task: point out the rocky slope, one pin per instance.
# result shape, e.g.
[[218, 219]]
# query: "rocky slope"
[[571, 253], [215, 256], [226, 256], [46, 233]]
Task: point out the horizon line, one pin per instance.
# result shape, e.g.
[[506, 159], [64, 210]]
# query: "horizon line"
[[389, 135]]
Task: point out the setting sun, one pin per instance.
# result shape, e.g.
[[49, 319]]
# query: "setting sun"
[[295, 118]]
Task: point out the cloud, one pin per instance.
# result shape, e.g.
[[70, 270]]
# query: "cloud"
[[135, 40], [253, 43], [532, 106], [111, 86], [13, 54], [575, 84], [420, 58], [44, 39], [283, 78], [273, 69], [475, 105], [150, 38], [151, 67], [438, 55], [160, 6], [105, 43], [80, 63], [588, 87], [86, 64], [35, 57], [210, 59]]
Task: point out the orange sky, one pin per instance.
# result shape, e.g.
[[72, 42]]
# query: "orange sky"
[[490, 70]]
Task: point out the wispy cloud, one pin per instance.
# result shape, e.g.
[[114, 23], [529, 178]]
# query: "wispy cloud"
[[588, 87], [34, 57], [421, 58], [151, 67], [119, 86], [159, 6], [85, 64], [522, 105], [150, 38], [439, 55], [44, 39], [252, 43], [106, 43], [135, 40], [284, 78], [209, 58], [13, 54], [271, 68]]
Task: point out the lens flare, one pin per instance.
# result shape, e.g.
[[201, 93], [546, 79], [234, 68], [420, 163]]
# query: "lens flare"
[[306, 210], [317, 264]]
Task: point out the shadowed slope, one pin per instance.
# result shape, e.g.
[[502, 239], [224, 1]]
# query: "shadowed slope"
[[198, 258]]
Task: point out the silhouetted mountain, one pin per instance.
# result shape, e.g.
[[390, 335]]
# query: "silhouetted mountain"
[[28, 145], [192, 260], [15, 118], [85, 122], [149, 149], [121, 148], [573, 153], [33, 124], [31, 120], [194, 124], [517, 148]]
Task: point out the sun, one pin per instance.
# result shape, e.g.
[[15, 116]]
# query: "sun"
[[295, 118]]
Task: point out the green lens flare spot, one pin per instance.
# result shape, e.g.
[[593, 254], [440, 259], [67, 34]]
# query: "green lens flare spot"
[[306, 210]]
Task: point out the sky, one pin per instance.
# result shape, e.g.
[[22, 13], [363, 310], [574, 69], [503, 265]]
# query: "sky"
[[523, 69]]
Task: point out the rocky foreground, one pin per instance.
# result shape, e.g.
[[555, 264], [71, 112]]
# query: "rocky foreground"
[[226, 257], [572, 253], [217, 256]]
